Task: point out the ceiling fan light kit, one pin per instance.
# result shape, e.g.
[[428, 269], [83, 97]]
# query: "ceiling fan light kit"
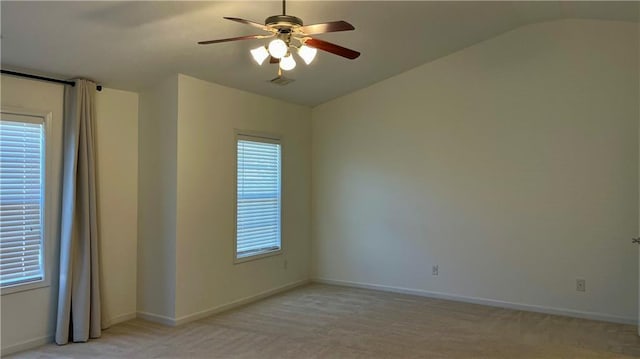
[[291, 34]]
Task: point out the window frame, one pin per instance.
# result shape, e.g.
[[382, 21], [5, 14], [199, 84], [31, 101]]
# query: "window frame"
[[257, 137], [14, 113]]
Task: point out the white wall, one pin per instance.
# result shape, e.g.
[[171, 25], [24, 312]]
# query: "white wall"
[[512, 164], [28, 317], [207, 116], [117, 170], [157, 200]]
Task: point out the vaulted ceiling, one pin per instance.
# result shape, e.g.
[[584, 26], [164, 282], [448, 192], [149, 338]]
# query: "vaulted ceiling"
[[131, 45]]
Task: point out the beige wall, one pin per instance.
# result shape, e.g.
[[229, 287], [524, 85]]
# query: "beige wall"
[[117, 158], [28, 318], [157, 200], [512, 164], [207, 116], [186, 198]]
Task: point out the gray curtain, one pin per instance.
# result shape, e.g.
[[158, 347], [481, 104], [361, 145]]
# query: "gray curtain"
[[79, 290]]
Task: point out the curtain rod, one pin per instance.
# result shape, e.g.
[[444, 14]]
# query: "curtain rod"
[[42, 78]]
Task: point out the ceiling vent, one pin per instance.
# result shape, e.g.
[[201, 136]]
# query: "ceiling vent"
[[281, 80]]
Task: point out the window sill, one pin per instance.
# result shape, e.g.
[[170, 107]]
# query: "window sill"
[[257, 256], [23, 287]]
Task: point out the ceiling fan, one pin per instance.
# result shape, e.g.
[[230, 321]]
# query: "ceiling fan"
[[289, 33]]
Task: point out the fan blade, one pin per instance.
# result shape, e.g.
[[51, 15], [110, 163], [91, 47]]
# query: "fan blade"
[[327, 27], [332, 48], [248, 22], [248, 37], [273, 60]]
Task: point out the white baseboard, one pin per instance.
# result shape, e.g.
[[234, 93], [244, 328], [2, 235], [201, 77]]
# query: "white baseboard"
[[33, 343], [221, 308], [484, 301], [236, 303], [156, 318], [122, 318], [25, 345]]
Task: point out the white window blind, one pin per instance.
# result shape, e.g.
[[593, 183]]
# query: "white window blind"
[[21, 202], [258, 196]]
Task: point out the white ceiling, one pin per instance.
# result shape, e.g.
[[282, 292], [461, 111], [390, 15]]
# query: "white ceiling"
[[131, 45]]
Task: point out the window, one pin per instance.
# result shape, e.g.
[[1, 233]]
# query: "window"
[[258, 201], [22, 189]]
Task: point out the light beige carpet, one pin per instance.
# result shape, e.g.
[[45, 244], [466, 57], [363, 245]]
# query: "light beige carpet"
[[322, 321]]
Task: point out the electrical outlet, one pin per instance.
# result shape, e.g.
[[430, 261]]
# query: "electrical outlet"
[[434, 270], [581, 285]]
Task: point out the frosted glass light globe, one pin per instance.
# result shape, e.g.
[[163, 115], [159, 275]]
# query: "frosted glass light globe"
[[277, 48], [307, 53], [260, 54], [287, 63]]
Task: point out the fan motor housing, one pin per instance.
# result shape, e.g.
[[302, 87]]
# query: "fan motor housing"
[[283, 22]]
